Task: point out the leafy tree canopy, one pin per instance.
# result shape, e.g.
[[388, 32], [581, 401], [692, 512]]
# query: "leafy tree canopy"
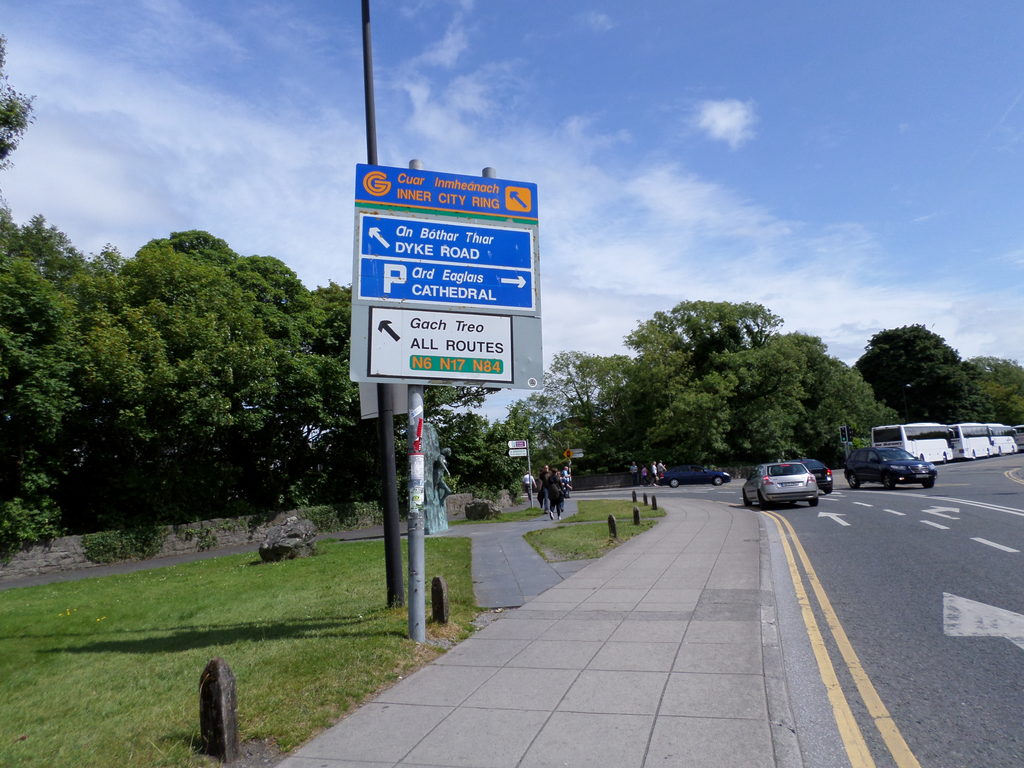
[[1002, 381], [917, 374], [15, 112]]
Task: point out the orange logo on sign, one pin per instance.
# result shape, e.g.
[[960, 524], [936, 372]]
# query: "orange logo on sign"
[[376, 183], [518, 199]]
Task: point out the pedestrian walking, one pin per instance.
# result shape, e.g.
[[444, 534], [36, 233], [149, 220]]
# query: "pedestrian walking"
[[634, 470], [542, 490], [556, 499], [529, 486], [566, 479]]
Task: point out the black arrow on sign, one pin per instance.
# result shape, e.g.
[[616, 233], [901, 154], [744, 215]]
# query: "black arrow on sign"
[[385, 325]]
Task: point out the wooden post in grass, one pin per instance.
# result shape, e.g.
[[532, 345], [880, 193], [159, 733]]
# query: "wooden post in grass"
[[645, 498], [439, 600], [613, 529], [218, 721], [654, 502], [636, 515], [634, 497]]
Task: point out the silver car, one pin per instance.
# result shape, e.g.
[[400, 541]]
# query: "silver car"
[[780, 482]]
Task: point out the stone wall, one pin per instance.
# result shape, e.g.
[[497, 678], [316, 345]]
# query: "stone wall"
[[67, 552]]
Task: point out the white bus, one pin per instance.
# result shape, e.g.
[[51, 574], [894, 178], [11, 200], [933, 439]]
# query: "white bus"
[[1018, 436], [1002, 438], [928, 441], [971, 440]]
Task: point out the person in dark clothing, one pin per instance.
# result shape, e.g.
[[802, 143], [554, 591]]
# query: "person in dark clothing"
[[556, 499], [542, 490]]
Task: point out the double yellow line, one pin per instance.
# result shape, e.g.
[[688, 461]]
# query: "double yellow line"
[[849, 730]]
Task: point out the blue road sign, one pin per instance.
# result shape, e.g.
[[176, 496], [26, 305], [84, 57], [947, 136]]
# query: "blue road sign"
[[381, 186], [438, 241], [390, 279]]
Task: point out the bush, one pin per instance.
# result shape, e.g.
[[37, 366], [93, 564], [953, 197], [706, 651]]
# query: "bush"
[[346, 516], [131, 544], [22, 523]]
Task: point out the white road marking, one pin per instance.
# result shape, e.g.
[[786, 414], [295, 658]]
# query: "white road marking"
[[837, 516], [994, 544], [936, 525], [968, 618], [863, 504], [894, 512], [941, 512]]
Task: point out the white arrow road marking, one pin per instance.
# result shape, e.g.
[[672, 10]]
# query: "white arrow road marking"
[[993, 544], [941, 512], [518, 280], [894, 512], [940, 526], [968, 618], [374, 232], [837, 516]]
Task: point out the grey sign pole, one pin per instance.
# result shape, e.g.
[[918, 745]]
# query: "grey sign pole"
[[415, 521], [385, 415], [417, 482]]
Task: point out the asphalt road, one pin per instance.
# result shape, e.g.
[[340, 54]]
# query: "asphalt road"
[[929, 587]]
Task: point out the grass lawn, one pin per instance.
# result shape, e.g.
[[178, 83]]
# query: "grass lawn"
[[506, 517], [597, 510], [105, 671], [584, 536]]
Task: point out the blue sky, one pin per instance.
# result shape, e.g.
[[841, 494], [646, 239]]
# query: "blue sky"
[[852, 167]]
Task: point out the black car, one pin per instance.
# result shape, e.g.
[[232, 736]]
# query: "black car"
[[888, 466], [821, 473]]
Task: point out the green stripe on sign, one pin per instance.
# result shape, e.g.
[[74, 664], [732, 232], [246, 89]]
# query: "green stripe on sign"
[[456, 364]]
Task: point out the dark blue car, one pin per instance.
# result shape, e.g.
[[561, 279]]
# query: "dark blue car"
[[692, 474]]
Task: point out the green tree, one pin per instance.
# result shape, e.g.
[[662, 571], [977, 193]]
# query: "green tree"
[[15, 112], [1002, 381], [37, 343], [917, 374]]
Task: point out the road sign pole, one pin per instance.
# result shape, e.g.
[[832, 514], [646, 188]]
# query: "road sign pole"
[[417, 482], [529, 471], [415, 521], [385, 415]]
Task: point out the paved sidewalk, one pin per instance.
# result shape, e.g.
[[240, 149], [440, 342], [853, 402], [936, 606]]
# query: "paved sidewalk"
[[663, 652], [506, 570]]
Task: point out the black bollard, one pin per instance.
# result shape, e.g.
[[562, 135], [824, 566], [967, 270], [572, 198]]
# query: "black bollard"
[[654, 502], [439, 600], [636, 515], [634, 497], [645, 498], [218, 719], [613, 529]]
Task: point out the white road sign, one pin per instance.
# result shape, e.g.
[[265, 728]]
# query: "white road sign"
[[517, 452], [428, 344], [518, 444]]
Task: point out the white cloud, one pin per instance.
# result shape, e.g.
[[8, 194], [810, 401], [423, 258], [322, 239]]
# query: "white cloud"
[[123, 155], [728, 120], [596, 20]]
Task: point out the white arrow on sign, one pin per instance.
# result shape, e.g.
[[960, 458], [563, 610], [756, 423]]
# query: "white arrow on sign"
[[518, 280], [968, 618], [374, 232], [941, 512], [837, 516]]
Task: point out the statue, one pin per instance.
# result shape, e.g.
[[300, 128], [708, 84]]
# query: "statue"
[[435, 489]]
